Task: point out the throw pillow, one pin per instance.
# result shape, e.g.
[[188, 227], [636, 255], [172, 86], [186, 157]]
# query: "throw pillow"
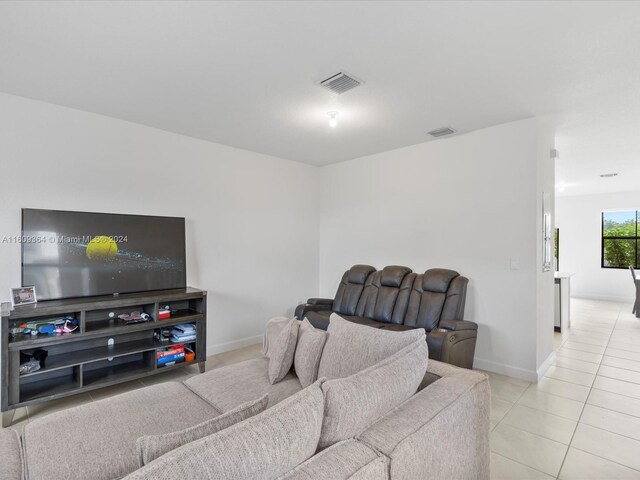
[[338, 462], [351, 347], [272, 330], [151, 447], [282, 351], [308, 353], [354, 403], [262, 447]]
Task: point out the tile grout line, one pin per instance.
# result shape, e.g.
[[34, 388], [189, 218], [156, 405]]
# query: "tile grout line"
[[523, 464], [607, 459], [507, 412], [609, 409], [585, 402], [614, 433]]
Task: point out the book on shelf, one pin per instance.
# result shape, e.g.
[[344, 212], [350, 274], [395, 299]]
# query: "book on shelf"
[[177, 357], [172, 350]]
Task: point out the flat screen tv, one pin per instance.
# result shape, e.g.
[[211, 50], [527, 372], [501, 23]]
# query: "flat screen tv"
[[78, 254]]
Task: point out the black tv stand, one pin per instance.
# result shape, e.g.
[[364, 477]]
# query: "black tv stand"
[[102, 352]]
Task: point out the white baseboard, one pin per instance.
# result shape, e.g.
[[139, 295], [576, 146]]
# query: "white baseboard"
[[542, 369], [508, 370], [225, 347]]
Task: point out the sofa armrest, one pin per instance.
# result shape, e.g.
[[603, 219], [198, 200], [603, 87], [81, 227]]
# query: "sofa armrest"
[[10, 455], [456, 347], [437, 370], [320, 301], [447, 423], [455, 325], [302, 309]]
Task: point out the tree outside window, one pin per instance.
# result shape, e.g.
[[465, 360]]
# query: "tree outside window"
[[620, 242]]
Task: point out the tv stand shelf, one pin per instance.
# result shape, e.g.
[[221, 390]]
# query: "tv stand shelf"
[[103, 351]]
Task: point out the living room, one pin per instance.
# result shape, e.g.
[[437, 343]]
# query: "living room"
[[216, 113]]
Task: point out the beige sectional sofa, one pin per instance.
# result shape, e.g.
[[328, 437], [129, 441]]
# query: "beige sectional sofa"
[[379, 410]]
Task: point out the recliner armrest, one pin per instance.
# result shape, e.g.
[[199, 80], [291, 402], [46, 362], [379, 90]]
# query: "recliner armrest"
[[457, 325], [320, 301], [456, 347], [302, 309]]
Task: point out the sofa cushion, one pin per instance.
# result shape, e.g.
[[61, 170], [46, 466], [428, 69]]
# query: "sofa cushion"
[[100, 437], [272, 330], [438, 280], [262, 447], [319, 319], [396, 328], [393, 275], [386, 295], [431, 298], [355, 402], [308, 353], [338, 462], [350, 289], [282, 352], [351, 348], [377, 469], [447, 422], [10, 455], [369, 322], [151, 447], [227, 387]]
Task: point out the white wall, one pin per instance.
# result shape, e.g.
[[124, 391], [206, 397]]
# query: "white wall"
[[252, 228], [264, 233], [545, 297], [471, 203], [579, 221]]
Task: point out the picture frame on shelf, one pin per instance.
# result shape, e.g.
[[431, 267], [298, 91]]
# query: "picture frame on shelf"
[[23, 296]]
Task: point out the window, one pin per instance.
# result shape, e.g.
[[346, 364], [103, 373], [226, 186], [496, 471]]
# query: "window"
[[620, 241]]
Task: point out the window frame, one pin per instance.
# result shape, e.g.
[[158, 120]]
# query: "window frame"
[[603, 238]]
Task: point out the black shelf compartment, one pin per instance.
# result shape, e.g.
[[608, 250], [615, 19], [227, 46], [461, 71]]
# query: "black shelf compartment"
[[60, 357], [49, 384], [114, 370], [190, 345], [18, 339], [183, 308], [105, 319]]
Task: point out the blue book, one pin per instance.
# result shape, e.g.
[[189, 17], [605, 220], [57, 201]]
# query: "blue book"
[[170, 358]]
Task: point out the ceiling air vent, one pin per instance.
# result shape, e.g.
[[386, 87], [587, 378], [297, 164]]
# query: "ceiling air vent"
[[608, 175], [442, 132], [340, 83]]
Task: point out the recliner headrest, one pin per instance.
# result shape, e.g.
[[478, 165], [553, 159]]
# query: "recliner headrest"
[[438, 279], [392, 275], [359, 273]]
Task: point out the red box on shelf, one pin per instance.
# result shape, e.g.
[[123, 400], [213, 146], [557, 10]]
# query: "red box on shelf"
[[164, 314]]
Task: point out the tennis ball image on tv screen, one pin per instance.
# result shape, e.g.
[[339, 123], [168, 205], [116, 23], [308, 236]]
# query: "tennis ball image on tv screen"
[[101, 248]]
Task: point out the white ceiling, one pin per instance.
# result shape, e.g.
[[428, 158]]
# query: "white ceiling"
[[243, 73]]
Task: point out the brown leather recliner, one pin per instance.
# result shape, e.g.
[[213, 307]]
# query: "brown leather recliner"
[[395, 298]]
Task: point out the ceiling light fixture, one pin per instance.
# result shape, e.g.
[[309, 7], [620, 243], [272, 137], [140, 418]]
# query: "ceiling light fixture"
[[333, 121]]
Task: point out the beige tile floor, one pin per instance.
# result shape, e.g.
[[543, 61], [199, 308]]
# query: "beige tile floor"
[[580, 422]]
